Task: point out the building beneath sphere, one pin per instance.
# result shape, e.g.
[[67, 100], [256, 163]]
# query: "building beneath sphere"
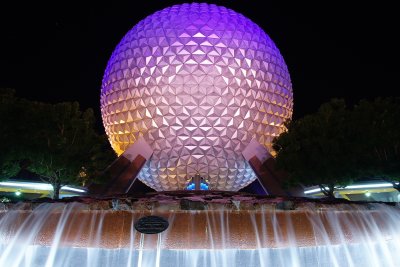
[[195, 90]]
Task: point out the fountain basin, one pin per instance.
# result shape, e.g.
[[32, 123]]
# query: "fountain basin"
[[215, 228]]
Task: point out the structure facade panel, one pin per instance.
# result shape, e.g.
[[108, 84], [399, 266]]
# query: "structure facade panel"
[[198, 82]]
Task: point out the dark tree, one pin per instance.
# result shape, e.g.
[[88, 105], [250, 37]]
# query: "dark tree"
[[377, 146], [56, 141], [314, 149], [336, 145], [13, 114]]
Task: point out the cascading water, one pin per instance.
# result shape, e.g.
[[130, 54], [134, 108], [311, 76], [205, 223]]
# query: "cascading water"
[[220, 232]]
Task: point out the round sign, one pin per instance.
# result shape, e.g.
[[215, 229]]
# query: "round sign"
[[151, 225]]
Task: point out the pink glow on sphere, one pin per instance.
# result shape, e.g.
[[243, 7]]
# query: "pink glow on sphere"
[[198, 82]]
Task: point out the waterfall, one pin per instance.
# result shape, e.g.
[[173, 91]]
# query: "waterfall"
[[75, 234]]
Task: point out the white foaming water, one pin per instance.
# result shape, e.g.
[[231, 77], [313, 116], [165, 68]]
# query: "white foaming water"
[[68, 234]]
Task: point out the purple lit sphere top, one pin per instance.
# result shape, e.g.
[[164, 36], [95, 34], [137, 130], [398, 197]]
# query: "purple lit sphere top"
[[198, 82]]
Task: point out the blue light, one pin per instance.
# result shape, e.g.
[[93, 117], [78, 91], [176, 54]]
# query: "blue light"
[[191, 186], [203, 186]]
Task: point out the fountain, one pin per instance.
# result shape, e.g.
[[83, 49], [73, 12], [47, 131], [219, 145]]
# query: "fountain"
[[204, 229], [196, 90]]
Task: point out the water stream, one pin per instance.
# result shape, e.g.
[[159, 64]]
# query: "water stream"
[[68, 234]]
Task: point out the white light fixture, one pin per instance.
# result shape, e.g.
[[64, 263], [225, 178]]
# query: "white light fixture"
[[307, 192], [349, 187], [380, 185], [39, 186], [66, 187]]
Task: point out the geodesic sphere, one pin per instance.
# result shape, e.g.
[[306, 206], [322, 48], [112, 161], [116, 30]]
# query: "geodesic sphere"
[[198, 82]]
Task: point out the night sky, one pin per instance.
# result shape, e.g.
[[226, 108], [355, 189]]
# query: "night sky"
[[59, 52]]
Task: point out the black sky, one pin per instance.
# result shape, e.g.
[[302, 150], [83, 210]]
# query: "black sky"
[[59, 52]]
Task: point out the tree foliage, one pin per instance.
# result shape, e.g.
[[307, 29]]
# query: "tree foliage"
[[378, 139], [337, 145], [12, 131], [56, 141]]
